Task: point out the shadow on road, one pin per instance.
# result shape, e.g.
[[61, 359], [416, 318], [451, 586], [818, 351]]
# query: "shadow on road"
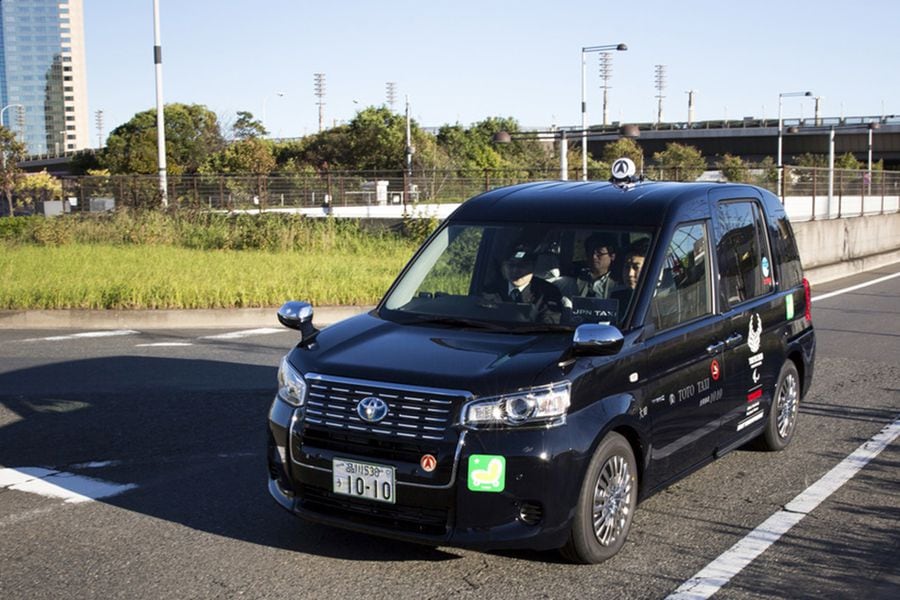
[[189, 433]]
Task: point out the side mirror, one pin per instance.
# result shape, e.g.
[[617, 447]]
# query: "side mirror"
[[297, 315], [592, 338]]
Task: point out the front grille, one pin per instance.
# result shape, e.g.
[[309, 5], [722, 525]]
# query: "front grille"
[[422, 414], [412, 519]]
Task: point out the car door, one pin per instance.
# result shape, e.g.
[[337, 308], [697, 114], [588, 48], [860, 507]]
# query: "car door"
[[751, 319], [684, 355]]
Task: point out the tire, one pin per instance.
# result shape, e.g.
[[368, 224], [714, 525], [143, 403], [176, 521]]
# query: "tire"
[[782, 419], [608, 497]]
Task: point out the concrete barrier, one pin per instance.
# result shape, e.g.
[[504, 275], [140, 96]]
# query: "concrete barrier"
[[834, 248]]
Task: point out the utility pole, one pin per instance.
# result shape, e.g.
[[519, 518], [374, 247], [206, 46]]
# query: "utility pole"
[[605, 75], [319, 85], [660, 80], [407, 175], [391, 88], [99, 121], [690, 94]]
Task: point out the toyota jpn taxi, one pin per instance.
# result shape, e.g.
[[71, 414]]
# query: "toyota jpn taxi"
[[449, 415]]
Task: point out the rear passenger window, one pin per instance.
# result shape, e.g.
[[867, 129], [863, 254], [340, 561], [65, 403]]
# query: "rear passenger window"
[[745, 262], [682, 290], [791, 272]]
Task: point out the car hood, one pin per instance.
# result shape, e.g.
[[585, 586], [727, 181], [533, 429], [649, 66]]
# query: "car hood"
[[481, 362]]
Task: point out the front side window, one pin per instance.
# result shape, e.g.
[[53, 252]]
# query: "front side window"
[[745, 264], [521, 276], [682, 288]]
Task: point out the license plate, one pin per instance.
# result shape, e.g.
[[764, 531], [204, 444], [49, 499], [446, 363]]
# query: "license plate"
[[363, 480]]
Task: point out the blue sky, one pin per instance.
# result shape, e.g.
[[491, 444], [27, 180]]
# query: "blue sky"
[[462, 61]]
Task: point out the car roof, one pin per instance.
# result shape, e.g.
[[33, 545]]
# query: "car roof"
[[645, 204]]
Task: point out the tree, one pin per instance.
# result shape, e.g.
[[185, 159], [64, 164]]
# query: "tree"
[[623, 147], [251, 156], [247, 127], [12, 151], [734, 168], [192, 134], [681, 162], [34, 187], [377, 139]]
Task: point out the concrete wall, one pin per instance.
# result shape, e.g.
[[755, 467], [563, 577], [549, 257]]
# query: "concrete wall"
[[835, 248]]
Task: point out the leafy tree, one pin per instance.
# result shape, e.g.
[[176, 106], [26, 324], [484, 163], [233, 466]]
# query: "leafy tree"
[[769, 172], [34, 187], [251, 156], [809, 160], [847, 161], [734, 168], [12, 151], [247, 126], [623, 147], [377, 139], [682, 163], [192, 134]]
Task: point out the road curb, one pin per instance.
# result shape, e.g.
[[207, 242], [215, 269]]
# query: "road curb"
[[163, 319]]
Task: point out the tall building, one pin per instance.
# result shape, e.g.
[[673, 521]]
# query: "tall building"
[[43, 79]]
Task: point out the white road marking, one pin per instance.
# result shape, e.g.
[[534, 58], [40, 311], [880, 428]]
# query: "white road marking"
[[57, 484], [164, 345], [853, 288], [87, 334], [234, 335], [720, 571]]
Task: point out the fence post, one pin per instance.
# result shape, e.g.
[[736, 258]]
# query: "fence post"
[[882, 192], [840, 191], [862, 202], [815, 187]]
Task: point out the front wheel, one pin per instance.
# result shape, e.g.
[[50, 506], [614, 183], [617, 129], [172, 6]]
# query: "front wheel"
[[782, 419], [606, 503]]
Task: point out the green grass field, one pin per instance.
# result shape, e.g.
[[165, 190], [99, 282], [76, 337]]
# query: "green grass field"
[[151, 276]]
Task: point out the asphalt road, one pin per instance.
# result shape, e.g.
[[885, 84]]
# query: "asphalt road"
[[180, 416]]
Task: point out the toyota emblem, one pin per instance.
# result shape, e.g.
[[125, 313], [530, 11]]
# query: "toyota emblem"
[[372, 409]]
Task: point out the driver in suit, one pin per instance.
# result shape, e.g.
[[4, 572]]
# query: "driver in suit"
[[519, 285]]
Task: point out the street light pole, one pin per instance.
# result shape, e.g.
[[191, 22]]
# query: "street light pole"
[[584, 52], [160, 117], [3, 110], [781, 134]]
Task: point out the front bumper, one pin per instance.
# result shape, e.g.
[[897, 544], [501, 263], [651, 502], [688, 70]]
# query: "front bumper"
[[534, 510]]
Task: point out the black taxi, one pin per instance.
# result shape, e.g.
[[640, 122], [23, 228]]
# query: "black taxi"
[[553, 354]]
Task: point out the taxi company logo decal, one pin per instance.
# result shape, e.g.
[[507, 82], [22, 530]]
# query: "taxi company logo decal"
[[623, 168], [487, 473], [754, 336], [428, 463], [714, 371]]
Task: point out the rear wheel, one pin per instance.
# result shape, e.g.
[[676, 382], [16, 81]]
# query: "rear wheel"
[[782, 419], [606, 503]]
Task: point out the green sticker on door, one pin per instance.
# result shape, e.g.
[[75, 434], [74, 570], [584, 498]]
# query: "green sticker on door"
[[789, 306], [487, 473]]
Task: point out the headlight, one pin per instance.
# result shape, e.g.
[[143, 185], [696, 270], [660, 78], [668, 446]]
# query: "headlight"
[[291, 385], [541, 405]]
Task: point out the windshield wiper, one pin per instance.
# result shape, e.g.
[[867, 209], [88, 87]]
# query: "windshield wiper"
[[458, 322]]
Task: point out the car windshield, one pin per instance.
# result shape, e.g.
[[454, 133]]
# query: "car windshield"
[[521, 277]]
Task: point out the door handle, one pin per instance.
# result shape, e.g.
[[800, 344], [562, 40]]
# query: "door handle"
[[715, 348], [733, 340]]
